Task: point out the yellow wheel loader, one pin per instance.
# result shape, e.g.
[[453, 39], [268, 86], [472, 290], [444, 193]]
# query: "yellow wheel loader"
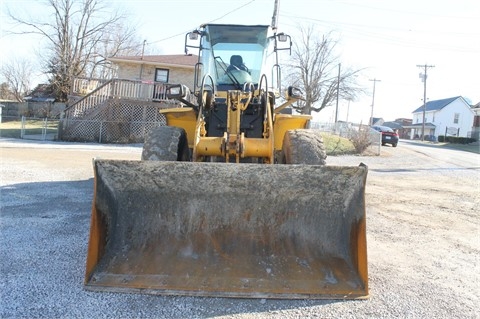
[[232, 198]]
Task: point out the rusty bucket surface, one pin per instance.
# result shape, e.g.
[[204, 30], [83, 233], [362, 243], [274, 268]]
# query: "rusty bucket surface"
[[228, 230]]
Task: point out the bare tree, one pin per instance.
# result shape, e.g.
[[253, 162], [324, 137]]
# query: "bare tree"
[[122, 41], [5, 92], [79, 38], [314, 68], [17, 74]]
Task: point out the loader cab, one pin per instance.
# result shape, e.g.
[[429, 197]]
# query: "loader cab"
[[236, 56]]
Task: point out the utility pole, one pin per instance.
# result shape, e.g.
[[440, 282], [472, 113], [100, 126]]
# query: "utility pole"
[[276, 9], [373, 100], [141, 65], [338, 90], [143, 48], [423, 76], [348, 109]]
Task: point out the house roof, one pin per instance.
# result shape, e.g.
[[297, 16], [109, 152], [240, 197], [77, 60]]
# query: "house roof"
[[185, 60], [476, 109], [436, 105], [393, 125], [403, 121], [42, 93], [377, 121]]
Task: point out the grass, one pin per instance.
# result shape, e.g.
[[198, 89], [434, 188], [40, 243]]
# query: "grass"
[[12, 129], [336, 145]]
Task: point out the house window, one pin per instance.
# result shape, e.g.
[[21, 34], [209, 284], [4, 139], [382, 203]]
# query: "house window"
[[161, 75], [455, 118]]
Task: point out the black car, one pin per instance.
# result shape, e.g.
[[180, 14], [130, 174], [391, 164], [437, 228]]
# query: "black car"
[[389, 136]]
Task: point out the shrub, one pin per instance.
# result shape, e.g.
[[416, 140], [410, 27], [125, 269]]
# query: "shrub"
[[360, 139], [456, 139]]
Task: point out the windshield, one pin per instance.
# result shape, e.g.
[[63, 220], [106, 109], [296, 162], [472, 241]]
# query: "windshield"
[[235, 54], [242, 61], [382, 129]]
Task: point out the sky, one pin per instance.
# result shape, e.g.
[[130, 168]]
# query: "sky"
[[387, 39]]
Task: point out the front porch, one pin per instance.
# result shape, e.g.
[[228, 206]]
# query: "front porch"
[[113, 111], [416, 131]]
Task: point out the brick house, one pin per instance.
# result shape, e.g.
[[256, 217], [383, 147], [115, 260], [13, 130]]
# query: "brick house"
[[126, 107], [157, 68]]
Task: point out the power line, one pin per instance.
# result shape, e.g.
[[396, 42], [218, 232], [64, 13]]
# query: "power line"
[[226, 14], [408, 12], [223, 16], [402, 38], [355, 26]]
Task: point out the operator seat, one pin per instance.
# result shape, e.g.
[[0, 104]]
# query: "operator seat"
[[236, 63]]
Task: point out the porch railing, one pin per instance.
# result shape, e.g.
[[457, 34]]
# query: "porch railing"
[[84, 86], [89, 102], [90, 94], [122, 88]]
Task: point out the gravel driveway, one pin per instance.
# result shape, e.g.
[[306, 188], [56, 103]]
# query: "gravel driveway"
[[423, 232]]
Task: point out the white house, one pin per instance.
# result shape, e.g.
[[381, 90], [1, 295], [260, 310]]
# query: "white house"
[[452, 117]]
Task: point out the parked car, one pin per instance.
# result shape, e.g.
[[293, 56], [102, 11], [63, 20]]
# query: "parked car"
[[389, 136]]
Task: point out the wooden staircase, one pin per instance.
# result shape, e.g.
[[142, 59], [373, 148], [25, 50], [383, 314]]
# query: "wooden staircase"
[[113, 111]]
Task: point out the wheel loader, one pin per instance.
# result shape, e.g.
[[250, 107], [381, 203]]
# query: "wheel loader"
[[232, 197]]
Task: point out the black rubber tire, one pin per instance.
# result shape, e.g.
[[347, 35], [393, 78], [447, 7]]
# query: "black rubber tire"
[[303, 146], [166, 143]]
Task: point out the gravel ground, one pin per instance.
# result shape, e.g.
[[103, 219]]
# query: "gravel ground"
[[423, 232]]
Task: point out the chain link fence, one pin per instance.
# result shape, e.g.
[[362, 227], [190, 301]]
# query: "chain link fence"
[[118, 121], [101, 131], [127, 121], [33, 128], [360, 135], [109, 131]]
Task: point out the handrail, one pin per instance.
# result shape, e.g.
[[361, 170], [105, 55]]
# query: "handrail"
[[83, 85], [115, 88], [89, 101]]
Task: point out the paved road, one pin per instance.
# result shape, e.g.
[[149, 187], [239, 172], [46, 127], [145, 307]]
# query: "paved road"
[[450, 156]]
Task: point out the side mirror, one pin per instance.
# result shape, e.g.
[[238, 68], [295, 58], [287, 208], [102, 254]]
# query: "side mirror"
[[193, 38], [282, 37], [193, 35], [294, 92], [176, 91], [285, 40]]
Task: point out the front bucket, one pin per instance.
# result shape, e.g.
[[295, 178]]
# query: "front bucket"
[[228, 230]]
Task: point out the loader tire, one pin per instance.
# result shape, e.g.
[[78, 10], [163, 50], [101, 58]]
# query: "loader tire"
[[303, 146], [166, 143]]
